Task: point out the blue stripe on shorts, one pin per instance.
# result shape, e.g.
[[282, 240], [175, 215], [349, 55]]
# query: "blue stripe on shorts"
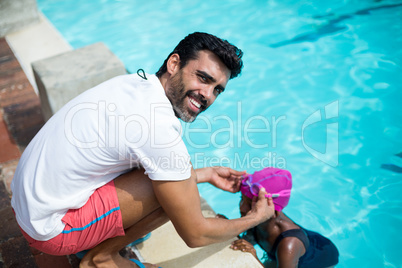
[[92, 222]]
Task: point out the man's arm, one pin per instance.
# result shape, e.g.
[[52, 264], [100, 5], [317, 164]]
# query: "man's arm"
[[181, 202]]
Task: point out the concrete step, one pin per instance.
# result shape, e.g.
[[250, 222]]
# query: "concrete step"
[[166, 249]]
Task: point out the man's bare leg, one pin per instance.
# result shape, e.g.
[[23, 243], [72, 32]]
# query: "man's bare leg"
[[141, 214]]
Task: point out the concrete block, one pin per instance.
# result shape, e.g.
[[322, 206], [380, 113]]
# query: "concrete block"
[[44, 41], [15, 15], [62, 77]]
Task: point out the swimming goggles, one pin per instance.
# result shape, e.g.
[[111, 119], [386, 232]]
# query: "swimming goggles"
[[255, 187]]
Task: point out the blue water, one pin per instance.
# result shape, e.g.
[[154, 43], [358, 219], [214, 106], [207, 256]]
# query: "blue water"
[[320, 95]]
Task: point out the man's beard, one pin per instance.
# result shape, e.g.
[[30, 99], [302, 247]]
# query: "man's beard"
[[177, 94]]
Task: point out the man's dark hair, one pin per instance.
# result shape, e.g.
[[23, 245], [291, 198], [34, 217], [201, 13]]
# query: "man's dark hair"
[[188, 49]]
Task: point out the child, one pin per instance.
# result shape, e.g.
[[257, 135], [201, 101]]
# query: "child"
[[286, 243]]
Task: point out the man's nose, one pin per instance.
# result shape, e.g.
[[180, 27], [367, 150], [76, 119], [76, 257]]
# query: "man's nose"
[[207, 92]]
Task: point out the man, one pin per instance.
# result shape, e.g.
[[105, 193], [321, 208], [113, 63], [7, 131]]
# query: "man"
[[75, 189]]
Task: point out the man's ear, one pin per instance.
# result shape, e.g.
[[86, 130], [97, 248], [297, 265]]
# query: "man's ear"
[[173, 64]]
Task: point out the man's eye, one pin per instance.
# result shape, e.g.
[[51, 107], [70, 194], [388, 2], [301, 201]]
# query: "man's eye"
[[218, 91], [202, 78]]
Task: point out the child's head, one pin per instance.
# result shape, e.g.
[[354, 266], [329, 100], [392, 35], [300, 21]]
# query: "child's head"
[[274, 180]]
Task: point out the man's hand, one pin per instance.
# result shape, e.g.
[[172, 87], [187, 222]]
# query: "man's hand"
[[223, 178], [262, 207]]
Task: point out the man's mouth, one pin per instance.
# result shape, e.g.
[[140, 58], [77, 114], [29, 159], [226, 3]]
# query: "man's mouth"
[[195, 105]]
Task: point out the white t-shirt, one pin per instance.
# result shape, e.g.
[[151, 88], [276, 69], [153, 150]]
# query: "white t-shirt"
[[122, 123]]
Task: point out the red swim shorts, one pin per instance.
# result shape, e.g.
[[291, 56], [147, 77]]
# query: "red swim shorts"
[[99, 219]]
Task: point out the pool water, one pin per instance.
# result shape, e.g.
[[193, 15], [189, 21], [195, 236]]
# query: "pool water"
[[320, 95]]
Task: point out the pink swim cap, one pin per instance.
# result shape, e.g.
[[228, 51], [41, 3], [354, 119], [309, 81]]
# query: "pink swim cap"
[[274, 180]]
